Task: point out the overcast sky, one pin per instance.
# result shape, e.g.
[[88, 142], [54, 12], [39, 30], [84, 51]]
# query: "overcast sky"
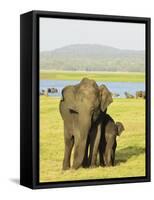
[[56, 33]]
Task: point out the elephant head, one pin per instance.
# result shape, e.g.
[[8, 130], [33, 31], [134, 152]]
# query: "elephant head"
[[120, 128], [84, 95]]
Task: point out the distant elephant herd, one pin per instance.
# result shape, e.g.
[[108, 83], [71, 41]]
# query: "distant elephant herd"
[[87, 126], [139, 94], [48, 90]]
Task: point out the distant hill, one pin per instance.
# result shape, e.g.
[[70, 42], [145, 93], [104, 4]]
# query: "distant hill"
[[93, 57]]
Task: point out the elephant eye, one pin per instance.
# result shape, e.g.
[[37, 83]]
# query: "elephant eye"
[[73, 111]]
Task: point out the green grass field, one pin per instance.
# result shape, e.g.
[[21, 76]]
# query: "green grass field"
[[97, 76], [130, 155]]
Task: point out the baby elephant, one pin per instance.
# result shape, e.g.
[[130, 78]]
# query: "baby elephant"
[[105, 141], [110, 131]]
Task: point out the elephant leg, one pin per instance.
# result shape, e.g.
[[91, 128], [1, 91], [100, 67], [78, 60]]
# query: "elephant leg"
[[113, 158], [101, 150], [95, 145], [101, 158], [69, 142], [91, 142], [113, 154], [79, 150], [85, 162], [81, 140], [80, 145], [67, 154], [108, 153], [107, 157]]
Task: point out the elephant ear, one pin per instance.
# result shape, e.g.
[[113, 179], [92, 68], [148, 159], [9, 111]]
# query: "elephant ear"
[[106, 97]]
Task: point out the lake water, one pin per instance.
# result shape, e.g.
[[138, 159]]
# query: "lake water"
[[115, 87]]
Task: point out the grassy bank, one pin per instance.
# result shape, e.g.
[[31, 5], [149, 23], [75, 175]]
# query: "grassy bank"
[[97, 76], [130, 156]]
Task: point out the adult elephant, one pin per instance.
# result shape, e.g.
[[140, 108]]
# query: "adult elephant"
[[140, 94], [79, 108]]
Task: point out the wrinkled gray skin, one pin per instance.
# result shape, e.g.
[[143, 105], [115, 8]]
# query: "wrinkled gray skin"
[[79, 108], [93, 138], [105, 142]]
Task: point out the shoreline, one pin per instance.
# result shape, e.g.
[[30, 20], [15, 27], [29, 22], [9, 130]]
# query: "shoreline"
[[97, 76]]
